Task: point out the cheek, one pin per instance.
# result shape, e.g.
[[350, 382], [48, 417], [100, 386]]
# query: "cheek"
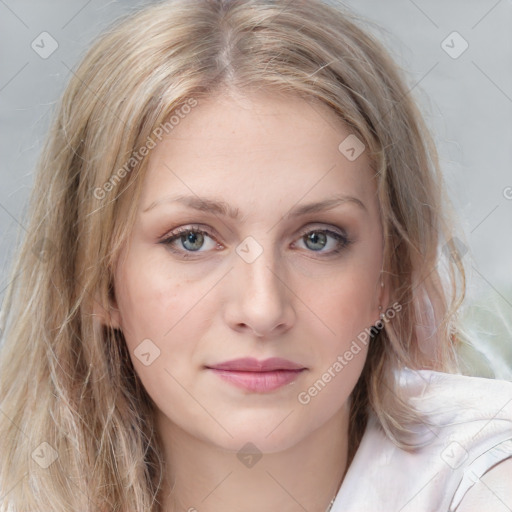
[[345, 313], [150, 301], [349, 303], [158, 323], [167, 308]]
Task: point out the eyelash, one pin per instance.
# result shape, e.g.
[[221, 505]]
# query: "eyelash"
[[342, 240]]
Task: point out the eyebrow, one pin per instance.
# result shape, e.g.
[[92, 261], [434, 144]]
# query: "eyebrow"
[[221, 208]]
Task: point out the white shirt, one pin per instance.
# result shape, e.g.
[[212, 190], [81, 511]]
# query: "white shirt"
[[474, 432]]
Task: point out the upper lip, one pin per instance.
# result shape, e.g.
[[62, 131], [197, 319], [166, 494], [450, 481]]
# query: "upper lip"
[[249, 364]]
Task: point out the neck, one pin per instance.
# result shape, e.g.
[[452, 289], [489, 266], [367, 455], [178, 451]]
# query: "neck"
[[202, 476]]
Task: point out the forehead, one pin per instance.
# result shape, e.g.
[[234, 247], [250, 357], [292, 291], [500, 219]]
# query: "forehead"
[[259, 150]]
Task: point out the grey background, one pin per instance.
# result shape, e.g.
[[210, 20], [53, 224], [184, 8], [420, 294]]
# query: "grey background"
[[467, 102]]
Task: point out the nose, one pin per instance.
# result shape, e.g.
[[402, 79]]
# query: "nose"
[[261, 299]]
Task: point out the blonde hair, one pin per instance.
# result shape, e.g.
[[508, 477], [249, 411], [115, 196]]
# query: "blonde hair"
[[65, 378]]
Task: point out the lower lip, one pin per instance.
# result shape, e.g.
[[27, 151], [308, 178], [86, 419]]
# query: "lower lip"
[[260, 382]]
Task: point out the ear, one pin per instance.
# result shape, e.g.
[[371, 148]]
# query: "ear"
[[109, 314]]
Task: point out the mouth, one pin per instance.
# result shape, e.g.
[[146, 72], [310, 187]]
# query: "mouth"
[[258, 376], [258, 382]]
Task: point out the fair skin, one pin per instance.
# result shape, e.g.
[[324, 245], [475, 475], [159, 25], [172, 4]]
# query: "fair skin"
[[264, 155]]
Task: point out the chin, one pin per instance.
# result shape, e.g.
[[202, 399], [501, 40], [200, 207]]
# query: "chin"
[[263, 436], [257, 442]]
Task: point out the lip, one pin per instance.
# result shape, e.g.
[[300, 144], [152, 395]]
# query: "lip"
[[258, 376], [249, 364]]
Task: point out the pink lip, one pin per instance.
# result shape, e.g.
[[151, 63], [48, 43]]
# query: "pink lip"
[[249, 364], [258, 376]]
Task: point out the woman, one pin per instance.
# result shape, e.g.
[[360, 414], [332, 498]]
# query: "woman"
[[237, 301]]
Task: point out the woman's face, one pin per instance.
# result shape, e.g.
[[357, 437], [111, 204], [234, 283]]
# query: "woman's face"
[[264, 275]]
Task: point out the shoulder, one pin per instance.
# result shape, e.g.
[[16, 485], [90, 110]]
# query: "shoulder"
[[459, 398], [459, 452], [471, 418], [492, 492]]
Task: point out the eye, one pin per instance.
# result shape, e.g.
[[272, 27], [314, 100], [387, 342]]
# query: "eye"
[[190, 239], [318, 239]]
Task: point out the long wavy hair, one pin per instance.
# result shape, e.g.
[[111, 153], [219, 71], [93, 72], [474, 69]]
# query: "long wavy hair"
[[68, 389]]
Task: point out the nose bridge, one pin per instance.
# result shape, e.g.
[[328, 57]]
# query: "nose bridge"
[[260, 299], [258, 267]]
